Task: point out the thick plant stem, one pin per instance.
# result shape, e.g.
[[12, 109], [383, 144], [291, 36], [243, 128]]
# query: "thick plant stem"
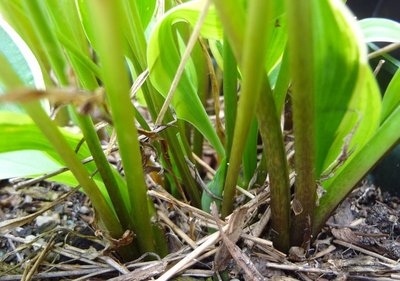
[[385, 138], [300, 33], [102, 164], [277, 168], [270, 131], [252, 65], [106, 14]]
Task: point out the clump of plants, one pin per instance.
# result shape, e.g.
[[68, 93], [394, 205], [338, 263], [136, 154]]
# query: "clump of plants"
[[94, 65]]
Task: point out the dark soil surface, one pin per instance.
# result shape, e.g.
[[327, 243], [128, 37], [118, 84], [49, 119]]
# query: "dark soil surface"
[[359, 242]]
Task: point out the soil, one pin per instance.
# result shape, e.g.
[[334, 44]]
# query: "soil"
[[359, 242]]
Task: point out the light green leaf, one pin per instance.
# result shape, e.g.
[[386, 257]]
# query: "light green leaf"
[[83, 11], [380, 30], [146, 11], [163, 58], [338, 60], [25, 163], [358, 125], [19, 133], [391, 99]]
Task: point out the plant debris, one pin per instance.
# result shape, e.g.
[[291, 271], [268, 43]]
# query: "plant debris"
[[359, 242]]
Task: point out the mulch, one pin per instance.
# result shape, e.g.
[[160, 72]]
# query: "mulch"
[[47, 233]]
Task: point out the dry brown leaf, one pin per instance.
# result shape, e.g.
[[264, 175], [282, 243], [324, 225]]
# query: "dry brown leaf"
[[345, 234], [235, 228], [143, 273], [242, 260]]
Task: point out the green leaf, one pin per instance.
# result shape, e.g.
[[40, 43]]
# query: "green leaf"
[[146, 10], [338, 59], [358, 125], [163, 58], [25, 135], [380, 30], [88, 26], [215, 187], [20, 57], [391, 99], [25, 163]]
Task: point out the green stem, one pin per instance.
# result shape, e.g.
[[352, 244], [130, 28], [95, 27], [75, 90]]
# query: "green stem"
[[230, 93], [105, 212], [300, 33], [269, 124], [385, 138], [277, 168], [103, 166], [252, 65], [106, 15]]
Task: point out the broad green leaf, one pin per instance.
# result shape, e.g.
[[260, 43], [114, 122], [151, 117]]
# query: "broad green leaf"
[[25, 163], [25, 135], [338, 58], [34, 155], [391, 99], [380, 30], [163, 58], [358, 125]]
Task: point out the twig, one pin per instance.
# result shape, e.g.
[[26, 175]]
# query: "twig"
[[367, 252], [7, 225], [182, 264], [257, 240], [379, 67], [39, 259], [139, 82], [143, 273], [197, 177], [213, 172], [177, 230], [18, 255], [259, 226], [182, 64], [114, 264], [292, 267], [384, 50], [57, 274], [167, 197]]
